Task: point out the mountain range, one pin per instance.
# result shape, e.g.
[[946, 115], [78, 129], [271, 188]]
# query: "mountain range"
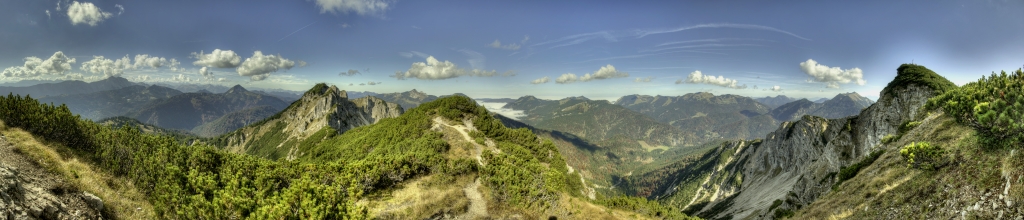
[[189, 110]]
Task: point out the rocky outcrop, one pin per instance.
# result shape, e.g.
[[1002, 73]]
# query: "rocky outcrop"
[[323, 106], [21, 198], [794, 165]]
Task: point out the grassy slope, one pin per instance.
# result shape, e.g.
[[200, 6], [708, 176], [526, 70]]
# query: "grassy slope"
[[119, 195], [889, 189]]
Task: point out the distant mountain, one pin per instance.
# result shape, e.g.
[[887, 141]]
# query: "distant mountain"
[[775, 102], [408, 100], [821, 100], [705, 113], [68, 87], [193, 87], [235, 120], [601, 122], [321, 107], [795, 110], [841, 105], [110, 103], [188, 110], [121, 121]]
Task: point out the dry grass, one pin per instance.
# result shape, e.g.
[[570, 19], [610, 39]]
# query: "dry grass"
[[889, 189], [419, 200], [120, 196]]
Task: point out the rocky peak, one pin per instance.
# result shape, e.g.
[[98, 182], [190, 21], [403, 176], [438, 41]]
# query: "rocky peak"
[[237, 89]]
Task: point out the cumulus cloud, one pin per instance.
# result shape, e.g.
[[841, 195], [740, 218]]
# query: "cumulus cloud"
[[643, 80], [775, 88], [371, 83], [182, 78], [86, 13], [350, 72], [361, 7], [205, 72], [832, 76], [541, 80], [606, 72], [217, 59], [107, 67], [259, 66], [698, 77], [362, 84], [145, 60], [434, 69], [57, 64], [566, 78]]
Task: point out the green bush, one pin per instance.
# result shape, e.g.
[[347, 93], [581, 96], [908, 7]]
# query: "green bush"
[[849, 172], [993, 106], [889, 138], [923, 155]]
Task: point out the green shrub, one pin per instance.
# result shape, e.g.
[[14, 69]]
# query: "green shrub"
[[889, 138], [849, 172], [993, 106], [923, 155]]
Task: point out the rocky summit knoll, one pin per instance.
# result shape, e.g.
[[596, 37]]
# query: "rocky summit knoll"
[[798, 162], [322, 106]]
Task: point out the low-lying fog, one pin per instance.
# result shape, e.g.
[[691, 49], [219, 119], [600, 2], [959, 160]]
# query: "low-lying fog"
[[496, 107]]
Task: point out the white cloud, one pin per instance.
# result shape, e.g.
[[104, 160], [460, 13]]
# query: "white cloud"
[[643, 80], [144, 60], [606, 72], [698, 77], [217, 59], [775, 88], [832, 76], [410, 54], [434, 69], [47, 14], [566, 78], [57, 64], [259, 66], [107, 67], [350, 72], [541, 80], [86, 13], [120, 9], [182, 78], [361, 7], [205, 72]]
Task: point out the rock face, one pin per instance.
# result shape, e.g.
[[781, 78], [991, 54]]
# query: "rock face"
[[22, 199], [323, 106], [794, 163]]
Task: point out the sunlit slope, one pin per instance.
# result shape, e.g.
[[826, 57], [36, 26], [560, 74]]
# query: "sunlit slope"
[[279, 135], [795, 164], [971, 168]]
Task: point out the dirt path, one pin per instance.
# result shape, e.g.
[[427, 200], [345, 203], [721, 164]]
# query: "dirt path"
[[462, 130], [477, 205], [27, 190]]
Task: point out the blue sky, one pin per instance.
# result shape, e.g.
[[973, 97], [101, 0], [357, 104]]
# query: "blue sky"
[[611, 48]]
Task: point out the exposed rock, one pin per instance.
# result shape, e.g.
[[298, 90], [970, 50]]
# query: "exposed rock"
[[792, 163], [93, 201], [20, 198]]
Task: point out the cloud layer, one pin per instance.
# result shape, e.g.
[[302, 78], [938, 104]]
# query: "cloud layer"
[[87, 13], [217, 59], [643, 80], [698, 77], [259, 66], [832, 76], [108, 67], [57, 64], [434, 69]]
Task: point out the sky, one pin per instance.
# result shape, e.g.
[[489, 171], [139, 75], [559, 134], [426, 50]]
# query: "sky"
[[508, 49]]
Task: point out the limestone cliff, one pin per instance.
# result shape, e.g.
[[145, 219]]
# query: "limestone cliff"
[[321, 107], [796, 164]]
